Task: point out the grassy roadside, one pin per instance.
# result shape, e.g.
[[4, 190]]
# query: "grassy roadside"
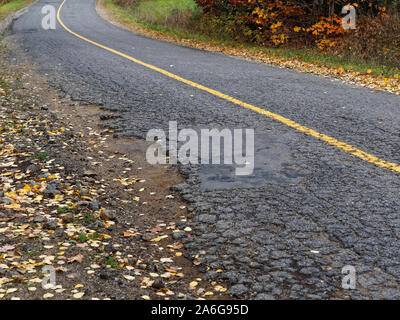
[[169, 17], [12, 6], [158, 11]]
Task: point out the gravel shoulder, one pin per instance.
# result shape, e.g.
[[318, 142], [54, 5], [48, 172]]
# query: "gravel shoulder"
[[84, 203]]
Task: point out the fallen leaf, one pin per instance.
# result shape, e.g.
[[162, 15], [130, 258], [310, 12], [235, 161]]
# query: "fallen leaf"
[[78, 295], [128, 234], [78, 258], [156, 229], [7, 248]]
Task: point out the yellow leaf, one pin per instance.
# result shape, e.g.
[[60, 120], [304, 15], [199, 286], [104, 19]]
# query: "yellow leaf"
[[58, 197], [159, 238], [78, 295], [128, 234], [11, 290]]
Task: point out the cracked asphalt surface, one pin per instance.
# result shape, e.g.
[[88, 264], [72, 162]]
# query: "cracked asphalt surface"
[[310, 208]]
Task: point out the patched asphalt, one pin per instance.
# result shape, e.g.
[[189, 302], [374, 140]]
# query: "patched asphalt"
[[309, 210]]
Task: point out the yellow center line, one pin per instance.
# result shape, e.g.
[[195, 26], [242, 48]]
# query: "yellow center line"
[[332, 141]]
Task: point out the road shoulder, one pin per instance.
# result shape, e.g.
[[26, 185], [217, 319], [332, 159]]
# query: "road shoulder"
[[85, 205]]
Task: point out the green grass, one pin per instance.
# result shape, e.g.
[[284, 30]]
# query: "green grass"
[[41, 156], [158, 11], [12, 6], [155, 15], [149, 16], [111, 262], [83, 237], [62, 209]]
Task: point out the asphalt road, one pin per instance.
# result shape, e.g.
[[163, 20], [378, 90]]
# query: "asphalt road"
[[309, 209]]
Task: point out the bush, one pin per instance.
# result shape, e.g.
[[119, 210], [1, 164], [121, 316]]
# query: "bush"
[[3, 2], [375, 39], [227, 26], [298, 24]]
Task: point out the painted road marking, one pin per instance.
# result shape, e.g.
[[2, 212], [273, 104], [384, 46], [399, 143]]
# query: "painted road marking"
[[332, 141]]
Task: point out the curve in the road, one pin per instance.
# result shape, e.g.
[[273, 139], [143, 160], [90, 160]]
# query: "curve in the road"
[[330, 140]]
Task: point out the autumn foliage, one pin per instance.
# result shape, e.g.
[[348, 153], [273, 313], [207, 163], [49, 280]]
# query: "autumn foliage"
[[313, 23]]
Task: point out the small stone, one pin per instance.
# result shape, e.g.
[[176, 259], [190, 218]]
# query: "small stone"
[[179, 187], [68, 218], [51, 190], [94, 205], [147, 237], [39, 219], [211, 275], [206, 218], [158, 284], [96, 225], [89, 173], [264, 296], [178, 235], [83, 203], [107, 215], [32, 168], [238, 290], [50, 225]]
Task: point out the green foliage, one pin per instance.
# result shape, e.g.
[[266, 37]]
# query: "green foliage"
[[62, 209], [8, 6], [165, 12], [83, 237], [111, 262], [41, 156]]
